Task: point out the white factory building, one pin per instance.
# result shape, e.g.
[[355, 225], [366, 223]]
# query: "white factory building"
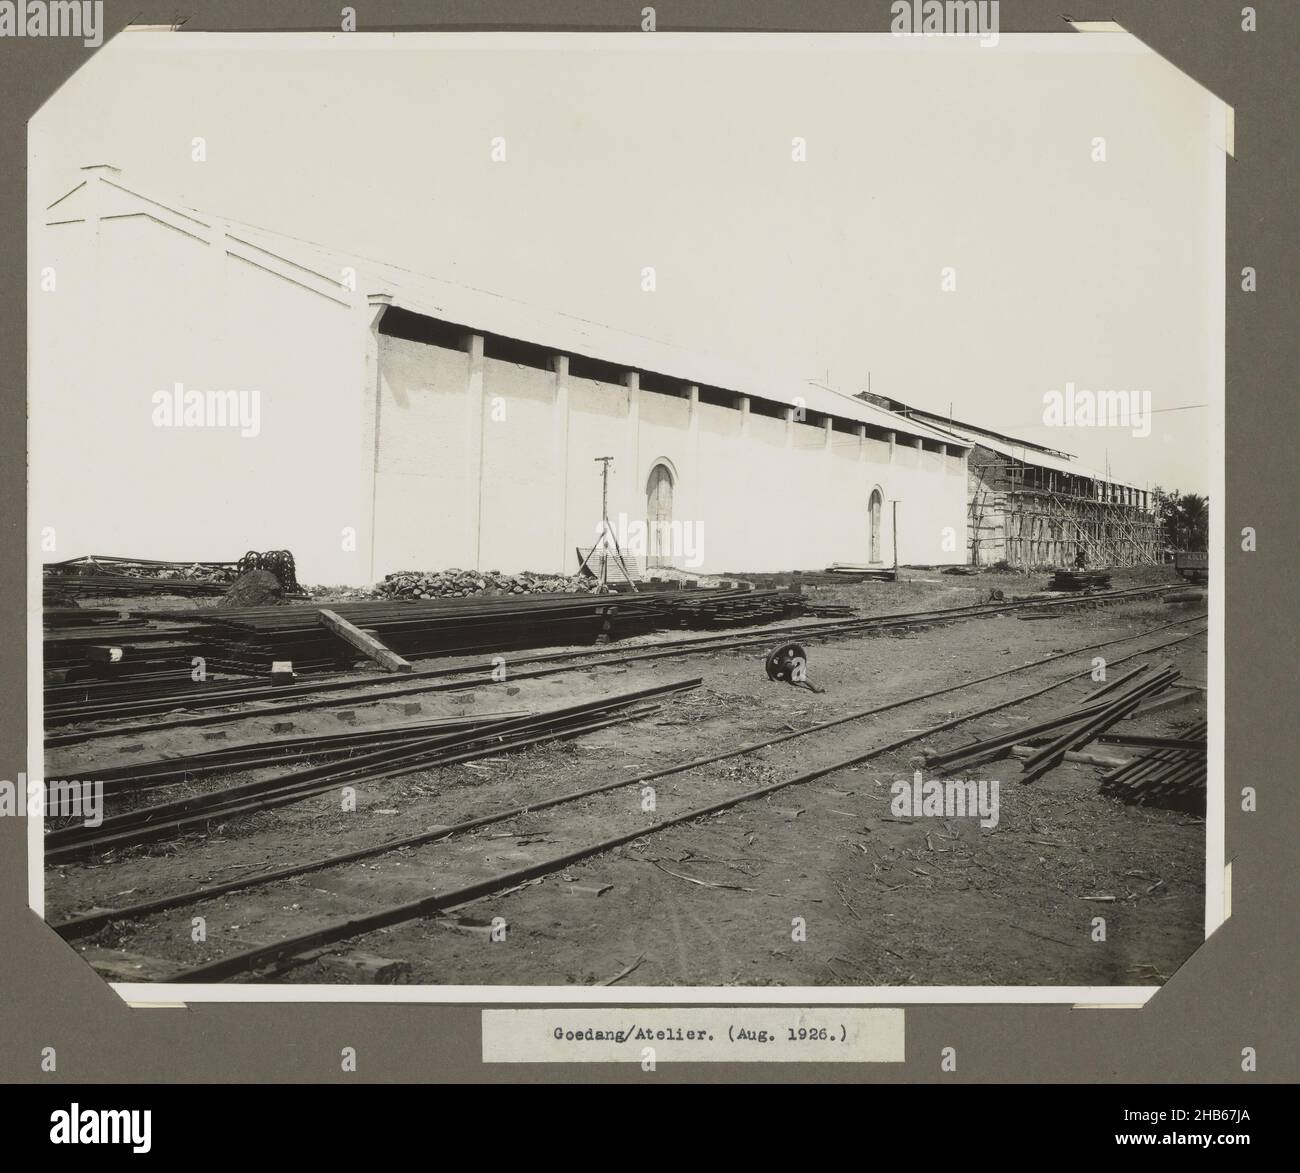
[[200, 388]]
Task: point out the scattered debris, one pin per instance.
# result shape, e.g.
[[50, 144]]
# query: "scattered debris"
[[622, 973], [366, 967], [590, 888]]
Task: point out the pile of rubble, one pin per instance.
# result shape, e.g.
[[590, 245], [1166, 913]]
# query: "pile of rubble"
[[461, 584], [257, 588]]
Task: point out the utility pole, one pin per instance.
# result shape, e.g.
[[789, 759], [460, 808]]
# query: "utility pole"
[[606, 540], [893, 532]]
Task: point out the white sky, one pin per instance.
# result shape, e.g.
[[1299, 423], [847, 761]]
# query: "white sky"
[[674, 151]]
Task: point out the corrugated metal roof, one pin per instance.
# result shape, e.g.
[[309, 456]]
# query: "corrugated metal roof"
[[1029, 454], [837, 402]]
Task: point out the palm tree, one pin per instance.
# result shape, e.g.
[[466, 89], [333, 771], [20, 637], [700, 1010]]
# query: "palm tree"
[[1194, 521], [1185, 518]]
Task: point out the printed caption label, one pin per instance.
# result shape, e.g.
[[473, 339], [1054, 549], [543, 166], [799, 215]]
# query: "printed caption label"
[[697, 1035]]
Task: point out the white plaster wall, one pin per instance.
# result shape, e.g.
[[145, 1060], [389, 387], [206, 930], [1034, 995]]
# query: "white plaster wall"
[[140, 306], [772, 498], [421, 494], [522, 471]]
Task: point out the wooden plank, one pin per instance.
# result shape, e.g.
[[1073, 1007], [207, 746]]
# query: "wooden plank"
[[1087, 759], [368, 645]]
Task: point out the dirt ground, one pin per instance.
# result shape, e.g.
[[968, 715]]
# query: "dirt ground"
[[819, 883]]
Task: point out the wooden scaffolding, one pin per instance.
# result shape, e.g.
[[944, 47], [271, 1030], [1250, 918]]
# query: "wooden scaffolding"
[[1031, 516]]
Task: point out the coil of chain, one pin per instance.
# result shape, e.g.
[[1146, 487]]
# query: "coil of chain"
[[278, 562]]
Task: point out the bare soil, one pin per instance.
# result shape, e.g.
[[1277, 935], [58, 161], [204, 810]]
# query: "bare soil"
[[816, 884]]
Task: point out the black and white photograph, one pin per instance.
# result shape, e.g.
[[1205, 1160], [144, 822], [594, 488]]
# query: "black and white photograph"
[[552, 516]]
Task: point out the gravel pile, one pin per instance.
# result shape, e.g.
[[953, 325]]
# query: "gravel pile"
[[461, 584]]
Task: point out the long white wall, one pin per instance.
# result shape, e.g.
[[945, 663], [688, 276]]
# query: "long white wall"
[[374, 454], [758, 493]]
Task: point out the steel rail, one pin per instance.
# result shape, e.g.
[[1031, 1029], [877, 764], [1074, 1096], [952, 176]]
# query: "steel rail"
[[1151, 772], [73, 713], [1152, 686], [1174, 772], [396, 914], [410, 755], [990, 749], [92, 922], [1149, 762], [1168, 771], [396, 753], [1053, 754], [165, 820], [70, 711], [1120, 681], [160, 772], [175, 828], [1138, 768], [1138, 741], [378, 692]]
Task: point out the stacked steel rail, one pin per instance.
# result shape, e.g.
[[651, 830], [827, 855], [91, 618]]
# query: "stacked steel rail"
[[286, 699], [247, 641], [732, 608], [1172, 774], [59, 617], [80, 649], [250, 639], [1079, 580]]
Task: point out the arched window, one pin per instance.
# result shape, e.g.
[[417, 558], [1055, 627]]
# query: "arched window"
[[873, 525], [659, 516]]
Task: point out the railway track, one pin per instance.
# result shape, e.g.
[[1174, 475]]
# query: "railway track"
[[461, 879], [422, 750], [296, 698]]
